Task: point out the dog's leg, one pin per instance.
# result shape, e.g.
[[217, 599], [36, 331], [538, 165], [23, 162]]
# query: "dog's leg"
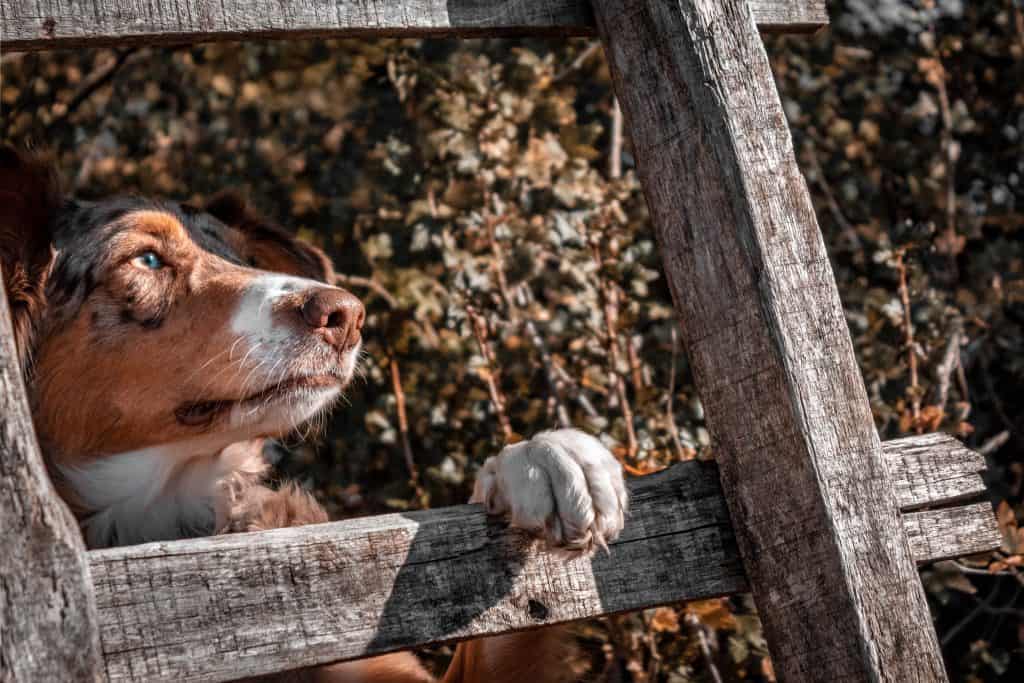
[[255, 507], [565, 486], [536, 656]]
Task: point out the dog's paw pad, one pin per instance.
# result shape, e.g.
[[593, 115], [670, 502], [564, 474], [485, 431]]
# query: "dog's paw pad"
[[563, 485]]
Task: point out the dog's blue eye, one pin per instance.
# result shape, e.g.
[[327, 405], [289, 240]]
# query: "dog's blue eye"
[[150, 260]]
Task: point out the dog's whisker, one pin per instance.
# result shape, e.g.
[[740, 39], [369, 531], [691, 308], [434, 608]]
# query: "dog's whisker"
[[231, 351], [206, 365], [229, 366], [248, 353], [246, 382], [215, 376]]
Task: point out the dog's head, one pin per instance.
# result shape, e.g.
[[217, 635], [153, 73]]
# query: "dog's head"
[[143, 322]]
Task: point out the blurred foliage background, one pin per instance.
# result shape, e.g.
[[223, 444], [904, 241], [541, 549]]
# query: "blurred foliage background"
[[479, 198]]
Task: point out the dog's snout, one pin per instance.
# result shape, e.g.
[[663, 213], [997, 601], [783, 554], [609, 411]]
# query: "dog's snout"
[[337, 314]]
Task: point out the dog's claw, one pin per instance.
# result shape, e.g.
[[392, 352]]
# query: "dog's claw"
[[563, 485]]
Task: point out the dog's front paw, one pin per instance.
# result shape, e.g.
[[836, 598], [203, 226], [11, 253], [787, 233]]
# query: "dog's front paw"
[[562, 484]]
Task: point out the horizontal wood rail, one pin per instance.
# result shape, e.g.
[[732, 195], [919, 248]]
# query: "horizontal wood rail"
[[218, 608], [57, 24]]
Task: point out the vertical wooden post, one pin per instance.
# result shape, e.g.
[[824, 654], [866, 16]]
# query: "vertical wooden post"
[[47, 611], [809, 495]]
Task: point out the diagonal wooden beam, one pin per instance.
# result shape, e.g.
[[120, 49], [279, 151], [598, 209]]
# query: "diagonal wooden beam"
[[220, 608], [811, 501], [61, 24]]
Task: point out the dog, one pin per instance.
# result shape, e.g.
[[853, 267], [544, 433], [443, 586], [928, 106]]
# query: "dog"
[[162, 343]]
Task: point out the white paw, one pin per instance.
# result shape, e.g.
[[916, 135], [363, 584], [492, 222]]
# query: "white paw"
[[562, 484]]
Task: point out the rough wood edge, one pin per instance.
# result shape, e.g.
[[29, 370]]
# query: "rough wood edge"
[[218, 608], [57, 24], [948, 533], [933, 470], [47, 611]]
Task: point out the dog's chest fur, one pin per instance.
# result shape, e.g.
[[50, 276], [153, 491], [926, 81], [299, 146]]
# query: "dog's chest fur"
[[160, 493]]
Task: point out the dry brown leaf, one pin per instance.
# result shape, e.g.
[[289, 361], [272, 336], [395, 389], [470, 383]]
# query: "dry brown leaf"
[[665, 620]]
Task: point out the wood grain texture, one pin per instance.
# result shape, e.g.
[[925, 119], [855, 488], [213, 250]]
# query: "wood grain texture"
[[218, 608], [61, 24], [245, 604], [808, 491], [933, 470], [47, 613], [951, 532]]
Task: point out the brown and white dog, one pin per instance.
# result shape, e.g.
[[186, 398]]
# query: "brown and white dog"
[[162, 343]]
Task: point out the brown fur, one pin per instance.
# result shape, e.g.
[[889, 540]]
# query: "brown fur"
[[116, 355], [30, 193], [202, 289], [265, 245]]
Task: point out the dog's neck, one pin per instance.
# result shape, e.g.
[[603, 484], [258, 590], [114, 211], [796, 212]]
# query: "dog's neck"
[[166, 492]]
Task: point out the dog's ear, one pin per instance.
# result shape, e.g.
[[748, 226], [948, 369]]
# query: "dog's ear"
[[268, 246], [30, 198]]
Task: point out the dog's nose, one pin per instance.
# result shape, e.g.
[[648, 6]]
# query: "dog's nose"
[[337, 314]]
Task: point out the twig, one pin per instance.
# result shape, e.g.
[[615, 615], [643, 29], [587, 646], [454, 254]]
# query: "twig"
[[1005, 611], [974, 571], [670, 416], [545, 356], [969, 617], [994, 443], [621, 650], [961, 381], [984, 606], [978, 571], [990, 390], [908, 339], [89, 158], [609, 306], [403, 422], [367, 283], [512, 305], [705, 649], [636, 370], [491, 224], [830, 198], [611, 315], [479, 325], [651, 638], [950, 152], [575, 393], [94, 84], [950, 361], [580, 60], [615, 153]]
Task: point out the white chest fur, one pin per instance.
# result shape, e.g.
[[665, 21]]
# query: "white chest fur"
[[159, 493]]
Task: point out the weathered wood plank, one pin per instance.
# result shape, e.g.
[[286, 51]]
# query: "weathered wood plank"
[[951, 532], [809, 494], [61, 24], [47, 613], [223, 607], [933, 470]]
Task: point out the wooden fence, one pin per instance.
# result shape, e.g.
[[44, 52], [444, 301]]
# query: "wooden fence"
[[805, 507]]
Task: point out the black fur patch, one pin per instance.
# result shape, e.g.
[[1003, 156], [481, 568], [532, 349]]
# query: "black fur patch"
[[83, 231]]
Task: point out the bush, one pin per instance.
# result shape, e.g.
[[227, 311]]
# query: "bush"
[[471, 194]]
